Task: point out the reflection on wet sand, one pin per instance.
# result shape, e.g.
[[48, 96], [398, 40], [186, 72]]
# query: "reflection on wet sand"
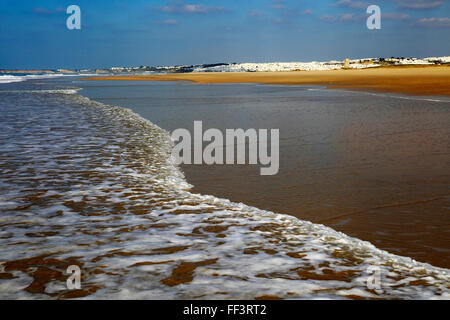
[[91, 185]]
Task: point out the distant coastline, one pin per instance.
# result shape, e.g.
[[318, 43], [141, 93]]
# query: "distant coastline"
[[362, 63], [416, 80]]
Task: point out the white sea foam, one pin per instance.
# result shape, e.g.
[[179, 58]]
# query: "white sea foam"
[[62, 91], [94, 185], [9, 79], [16, 78]]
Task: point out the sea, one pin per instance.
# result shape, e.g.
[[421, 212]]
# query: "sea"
[[359, 209]]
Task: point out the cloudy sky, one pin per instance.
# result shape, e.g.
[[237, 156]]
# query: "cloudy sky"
[[33, 33]]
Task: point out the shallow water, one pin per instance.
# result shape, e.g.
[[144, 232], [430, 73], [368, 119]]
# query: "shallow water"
[[374, 166], [83, 183]]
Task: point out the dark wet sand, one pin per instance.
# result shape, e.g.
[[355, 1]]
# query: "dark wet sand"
[[372, 166]]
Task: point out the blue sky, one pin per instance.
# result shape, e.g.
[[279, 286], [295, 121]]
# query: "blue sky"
[[33, 33]]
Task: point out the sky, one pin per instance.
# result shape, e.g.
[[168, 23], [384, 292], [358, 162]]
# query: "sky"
[[33, 33]]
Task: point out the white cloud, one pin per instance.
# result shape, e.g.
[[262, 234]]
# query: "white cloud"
[[395, 16], [256, 13], [167, 22], [433, 23], [344, 18], [419, 4], [354, 4], [184, 8]]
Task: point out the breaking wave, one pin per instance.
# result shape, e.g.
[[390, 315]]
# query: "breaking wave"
[[10, 78]]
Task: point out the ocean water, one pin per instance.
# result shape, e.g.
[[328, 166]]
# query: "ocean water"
[[91, 184], [374, 166]]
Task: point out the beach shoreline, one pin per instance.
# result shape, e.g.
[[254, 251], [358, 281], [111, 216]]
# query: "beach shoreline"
[[336, 145], [133, 221], [417, 80]]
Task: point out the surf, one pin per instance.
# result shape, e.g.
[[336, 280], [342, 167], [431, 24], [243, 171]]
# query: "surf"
[[104, 193]]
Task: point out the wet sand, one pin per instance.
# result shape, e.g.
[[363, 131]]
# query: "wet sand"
[[416, 80], [372, 166], [91, 185]]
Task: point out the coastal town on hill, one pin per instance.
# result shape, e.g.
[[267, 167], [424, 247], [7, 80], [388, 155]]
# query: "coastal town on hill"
[[250, 67]]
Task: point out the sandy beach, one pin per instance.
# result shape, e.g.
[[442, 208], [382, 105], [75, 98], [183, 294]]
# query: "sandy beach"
[[207, 155], [415, 80], [371, 167], [365, 165]]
